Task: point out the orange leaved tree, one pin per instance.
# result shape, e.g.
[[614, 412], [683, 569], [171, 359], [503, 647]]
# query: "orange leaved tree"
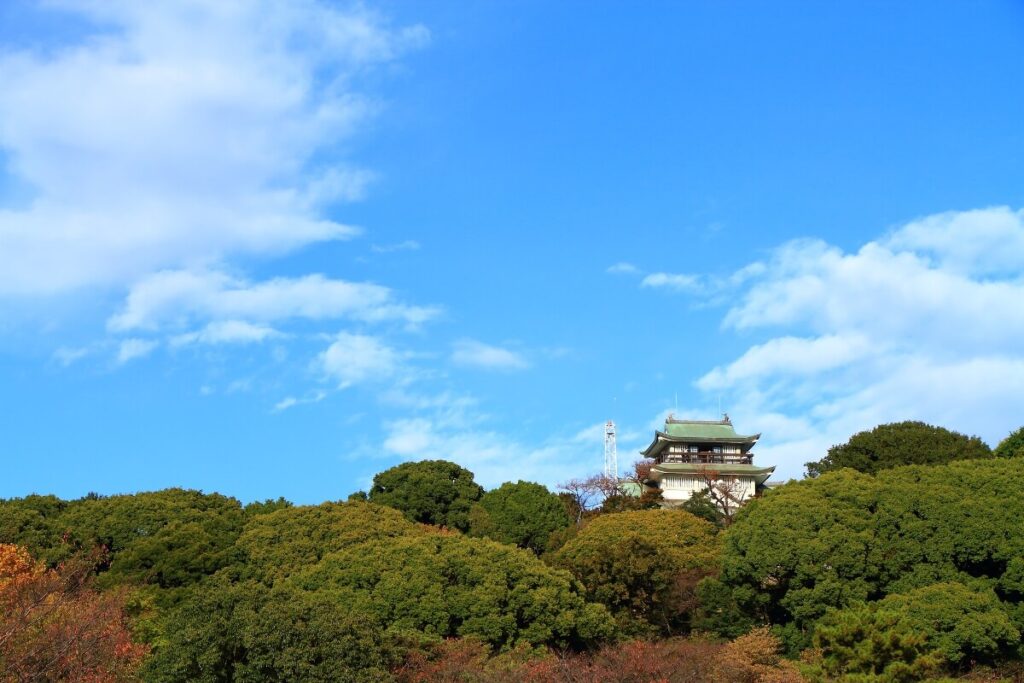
[[54, 626]]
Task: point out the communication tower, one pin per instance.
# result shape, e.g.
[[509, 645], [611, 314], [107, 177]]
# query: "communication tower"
[[611, 457]]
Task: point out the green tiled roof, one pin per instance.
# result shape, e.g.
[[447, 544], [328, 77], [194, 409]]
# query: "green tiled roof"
[[630, 488], [702, 430], [698, 432]]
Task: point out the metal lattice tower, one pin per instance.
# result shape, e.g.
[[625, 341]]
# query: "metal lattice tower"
[[611, 457]]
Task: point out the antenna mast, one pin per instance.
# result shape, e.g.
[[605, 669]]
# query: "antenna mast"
[[611, 456]]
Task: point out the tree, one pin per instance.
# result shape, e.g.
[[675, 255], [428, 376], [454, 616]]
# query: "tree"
[[848, 537], [279, 543], [590, 493], [55, 627], [446, 585], [727, 493], [701, 505], [523, 514], [1012, 446], [170, 538], [644, 565], [265, 507], [248, 631], [33, 522], [900, 443], [913, 634], [429, 491]]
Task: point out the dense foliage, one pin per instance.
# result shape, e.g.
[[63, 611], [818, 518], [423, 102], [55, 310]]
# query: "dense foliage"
[[907, 636], [1012, 446], [896, 573], [847, 537], [644, 565], [522, 514], [55, 627], [429, 491], [900, 443], [337, 592]]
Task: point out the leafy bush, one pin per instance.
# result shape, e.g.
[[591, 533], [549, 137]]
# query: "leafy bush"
[[644, 565]]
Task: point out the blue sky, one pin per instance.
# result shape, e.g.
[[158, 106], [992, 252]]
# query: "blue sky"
[[272, 248]]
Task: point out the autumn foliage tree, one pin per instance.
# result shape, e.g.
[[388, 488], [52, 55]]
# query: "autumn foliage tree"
[[55, 627]]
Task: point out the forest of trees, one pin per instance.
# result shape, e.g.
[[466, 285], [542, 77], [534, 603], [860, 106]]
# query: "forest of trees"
[[899, 558]]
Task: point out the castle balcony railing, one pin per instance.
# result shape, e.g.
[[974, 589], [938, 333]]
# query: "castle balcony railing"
[[709, 458]]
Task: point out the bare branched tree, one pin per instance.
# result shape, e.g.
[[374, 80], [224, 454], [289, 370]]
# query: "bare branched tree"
[[727, 492]]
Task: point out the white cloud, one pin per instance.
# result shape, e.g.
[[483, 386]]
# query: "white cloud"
[[790, 355], [980, 242], [356, 358], [178, 297], [226, 332], [133, 348], [67, 356], [923, 324], [407, 245], [674, 281], [472, 353], [292, 401], [622, 268], [182, 133]]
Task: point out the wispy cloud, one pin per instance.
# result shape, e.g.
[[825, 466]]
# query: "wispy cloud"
[[476, 354], [226, 332], [183, 133], [292, 401], [622, 268], [407, 245], [133, 348], [178, 297], [356, 358], [679, 282]]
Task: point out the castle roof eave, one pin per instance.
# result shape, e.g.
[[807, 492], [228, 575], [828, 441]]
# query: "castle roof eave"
[[759, 474], [661, 437]]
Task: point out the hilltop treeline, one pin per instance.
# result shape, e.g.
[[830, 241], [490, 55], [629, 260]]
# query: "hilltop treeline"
[[871, 570]]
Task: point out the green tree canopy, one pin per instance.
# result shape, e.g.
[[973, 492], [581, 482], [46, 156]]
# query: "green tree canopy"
[[247, 631], [429, 491], [847, 537], [909, 635], [1012, 446], [445, 585], [644, 565], [897, 444], [33, 522], [168, 538], [523, 514], [278, 543]]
